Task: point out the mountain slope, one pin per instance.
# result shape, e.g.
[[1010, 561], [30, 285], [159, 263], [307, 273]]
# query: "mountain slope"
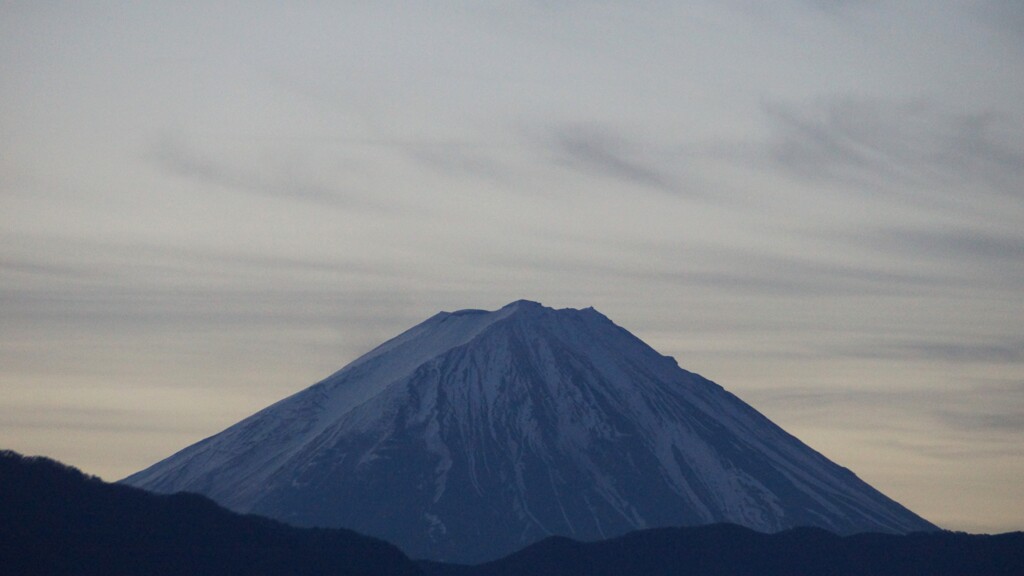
[[475, 433], [55, 520]]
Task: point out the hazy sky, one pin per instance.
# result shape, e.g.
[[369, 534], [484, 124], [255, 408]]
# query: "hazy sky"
[[819, 204]]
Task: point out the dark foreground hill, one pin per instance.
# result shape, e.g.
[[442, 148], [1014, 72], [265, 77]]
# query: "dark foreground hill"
[[730, 550], [55, 520]]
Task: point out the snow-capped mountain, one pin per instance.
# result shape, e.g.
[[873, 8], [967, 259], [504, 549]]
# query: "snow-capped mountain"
[[476, 433]]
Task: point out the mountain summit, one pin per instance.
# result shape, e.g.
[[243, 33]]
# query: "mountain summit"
[[475, 433]]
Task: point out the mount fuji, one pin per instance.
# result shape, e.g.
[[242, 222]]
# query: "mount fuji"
[[478, 432]]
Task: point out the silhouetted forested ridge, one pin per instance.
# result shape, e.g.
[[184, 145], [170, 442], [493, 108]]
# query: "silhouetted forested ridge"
[[730, 550], [55, 520]]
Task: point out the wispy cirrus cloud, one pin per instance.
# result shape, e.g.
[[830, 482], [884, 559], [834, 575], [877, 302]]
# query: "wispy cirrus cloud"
[[462, 159], [596, 151], [990, 353], [952, 243], [884, 146], [1006, 15], [1011, 422], [996, 413], [272, 177]]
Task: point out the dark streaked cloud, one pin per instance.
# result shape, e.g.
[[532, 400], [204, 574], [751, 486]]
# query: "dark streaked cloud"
[[985, 254], [938, 349], [1012, 422], [996, 413], [477, 161], [272, 177], [998, 248], [12, 267], [991, 353], [1006, 15], [596, 151], [736, 272], [884, 146], [78, 419], [839, 4]]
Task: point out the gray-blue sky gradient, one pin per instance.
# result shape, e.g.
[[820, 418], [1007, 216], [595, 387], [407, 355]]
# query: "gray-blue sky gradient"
[[818, 204]]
